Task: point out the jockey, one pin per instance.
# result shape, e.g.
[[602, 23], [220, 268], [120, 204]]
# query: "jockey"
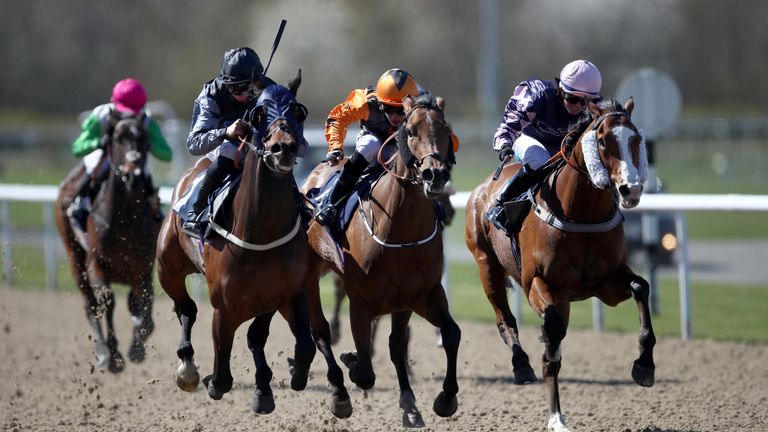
[[128, 99], [536, 120], [380, 112], [218, 125]]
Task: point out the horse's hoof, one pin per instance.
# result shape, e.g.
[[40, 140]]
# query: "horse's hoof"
[[137, 353], [642, 375], [444, 406], [212, 392], [341, 408], [348, 358], [262, 402], [413, 419], [524, 375], [556, 423], [116, 363], [299, 375], [187, 377]]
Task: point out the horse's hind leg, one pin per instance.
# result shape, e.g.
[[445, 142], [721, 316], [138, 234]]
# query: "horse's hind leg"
[[263, 401], [297, 316], [435, 310], [492, 277], [341, 406], [398, 347], [140, 300], [643, 370], [220, 381]]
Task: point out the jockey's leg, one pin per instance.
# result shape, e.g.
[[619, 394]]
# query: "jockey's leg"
[[349, 175], [214, 175], [81, 204]]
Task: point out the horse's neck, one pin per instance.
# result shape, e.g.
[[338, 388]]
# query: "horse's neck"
[[263, 199], [579, 199], [404, 208]]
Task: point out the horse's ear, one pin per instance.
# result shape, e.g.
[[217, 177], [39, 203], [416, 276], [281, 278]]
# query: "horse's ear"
[[407, 103], [440, 101], [629, 105], [294, 84]]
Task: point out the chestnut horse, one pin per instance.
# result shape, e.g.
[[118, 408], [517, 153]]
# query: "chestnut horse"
[[118, 244], [393, 253], [258, 269], [571, 245]]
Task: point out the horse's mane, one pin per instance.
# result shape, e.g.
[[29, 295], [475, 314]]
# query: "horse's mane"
[[577, 128]]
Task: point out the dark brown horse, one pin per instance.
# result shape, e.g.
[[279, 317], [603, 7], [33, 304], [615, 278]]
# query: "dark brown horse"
[[118, 244], [571, 244], [395, 268], [260, 268]]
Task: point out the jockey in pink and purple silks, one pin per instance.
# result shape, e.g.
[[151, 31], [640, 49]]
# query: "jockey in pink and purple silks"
[[536, 119]]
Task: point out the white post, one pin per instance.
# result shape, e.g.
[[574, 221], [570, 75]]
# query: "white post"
[[682, 269], [49, 246], [597, 315], [5, 242]]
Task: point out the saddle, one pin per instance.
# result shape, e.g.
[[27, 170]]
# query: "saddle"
[[219, 201]]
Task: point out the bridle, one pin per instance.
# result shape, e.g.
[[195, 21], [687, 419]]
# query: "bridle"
[[412, 163], [260, 149]]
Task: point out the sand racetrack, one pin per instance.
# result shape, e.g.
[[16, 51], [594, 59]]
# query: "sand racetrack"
[[49, 381]]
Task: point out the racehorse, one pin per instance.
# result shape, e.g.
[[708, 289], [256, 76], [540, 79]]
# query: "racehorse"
[[339, 293], [118, 243], [571, 246], [258, 269], [393, 253]]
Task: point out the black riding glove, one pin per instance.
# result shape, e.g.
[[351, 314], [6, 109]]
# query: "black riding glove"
[[506, 152]]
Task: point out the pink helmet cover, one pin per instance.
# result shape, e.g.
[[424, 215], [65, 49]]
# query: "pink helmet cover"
[[582, 78], [129, 96]]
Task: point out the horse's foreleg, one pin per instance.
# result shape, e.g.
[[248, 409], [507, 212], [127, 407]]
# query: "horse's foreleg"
[[297, 316], [435, 310], [341, 406], [398, 354], [220, 381], [105, 298], [492, 277], [643, 370], [338, 294], [140, 300], [263, 401], [359, 363], [552, 333]]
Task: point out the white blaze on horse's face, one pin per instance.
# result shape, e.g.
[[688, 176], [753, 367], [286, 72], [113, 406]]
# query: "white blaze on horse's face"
[[633, 166]]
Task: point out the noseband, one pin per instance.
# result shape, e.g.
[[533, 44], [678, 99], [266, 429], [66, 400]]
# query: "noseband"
[[259, 149]]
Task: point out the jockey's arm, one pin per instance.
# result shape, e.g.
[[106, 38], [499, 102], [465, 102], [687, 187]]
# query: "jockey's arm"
[[158, 146], [354, 108], [205, 134], [89, 138], [517, 115]]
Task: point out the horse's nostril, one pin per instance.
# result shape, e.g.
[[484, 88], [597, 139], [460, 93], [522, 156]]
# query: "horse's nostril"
[[624, 190], [428, 175], [275, 148]]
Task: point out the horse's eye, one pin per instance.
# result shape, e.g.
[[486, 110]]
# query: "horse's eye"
[[410, 133], [601, 143]]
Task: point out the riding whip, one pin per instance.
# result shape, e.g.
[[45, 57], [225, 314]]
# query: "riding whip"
[[501, 167], [275, 44]]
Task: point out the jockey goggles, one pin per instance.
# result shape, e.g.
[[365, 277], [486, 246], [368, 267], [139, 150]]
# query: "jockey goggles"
[[388, 109], [574, 100], [240, 88]]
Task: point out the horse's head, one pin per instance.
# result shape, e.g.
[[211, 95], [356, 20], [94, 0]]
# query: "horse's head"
[[614, 151], [278, 119], [425, 144], [127, 152]]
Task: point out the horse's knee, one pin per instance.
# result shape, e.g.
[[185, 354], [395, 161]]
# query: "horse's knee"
[[554, 329]]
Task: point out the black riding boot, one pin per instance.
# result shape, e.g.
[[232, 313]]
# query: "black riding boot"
[[81, 204], [508, 216], [215, 174], [350, 173]]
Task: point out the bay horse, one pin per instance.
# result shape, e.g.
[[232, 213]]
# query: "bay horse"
[[258, 269], [393, 253], [118, 243], [571, 244]]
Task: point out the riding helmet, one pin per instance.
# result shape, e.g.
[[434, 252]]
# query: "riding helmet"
[[581, 78], [394, 85], [129, 96], [239, 65]]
